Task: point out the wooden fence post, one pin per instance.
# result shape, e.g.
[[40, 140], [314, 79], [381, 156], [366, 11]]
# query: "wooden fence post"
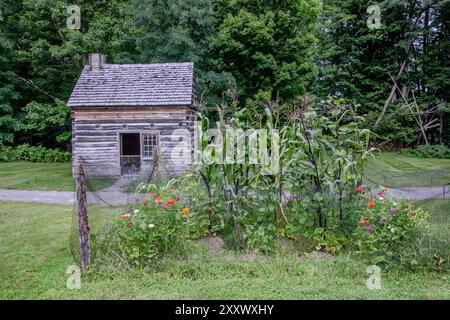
[[82, 213]]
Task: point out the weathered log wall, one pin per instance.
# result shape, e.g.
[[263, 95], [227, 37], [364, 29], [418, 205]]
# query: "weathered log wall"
[[96, 137]]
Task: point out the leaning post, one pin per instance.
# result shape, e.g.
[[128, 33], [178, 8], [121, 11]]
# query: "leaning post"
[[82, 214]]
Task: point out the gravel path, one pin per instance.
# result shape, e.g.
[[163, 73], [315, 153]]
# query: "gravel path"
[[112, 196], [66, 197]]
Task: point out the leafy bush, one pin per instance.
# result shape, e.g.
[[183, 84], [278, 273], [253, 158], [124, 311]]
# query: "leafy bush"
[[34, 154], [426, 151], [143, 233], [385, 227]]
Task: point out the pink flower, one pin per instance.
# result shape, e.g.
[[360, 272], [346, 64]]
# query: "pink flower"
[[164, 206], [159, 200], [369, 228], [394, 211]]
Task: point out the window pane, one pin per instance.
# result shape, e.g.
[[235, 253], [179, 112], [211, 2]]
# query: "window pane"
[[149, 142]]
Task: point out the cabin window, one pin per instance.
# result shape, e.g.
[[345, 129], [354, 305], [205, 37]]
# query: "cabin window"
[[150, 142]]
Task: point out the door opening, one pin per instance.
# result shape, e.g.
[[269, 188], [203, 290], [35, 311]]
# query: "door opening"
[[130, 153]]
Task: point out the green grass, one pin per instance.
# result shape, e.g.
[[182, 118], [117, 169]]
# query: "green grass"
[[35, 254], [22, 175], [396, 170]]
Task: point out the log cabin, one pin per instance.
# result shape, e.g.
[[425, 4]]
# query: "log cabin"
[[125, 115]]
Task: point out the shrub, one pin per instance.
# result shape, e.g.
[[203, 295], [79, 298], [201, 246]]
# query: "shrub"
[[426, 151], [145, 232], [34, 154], [385, 227]]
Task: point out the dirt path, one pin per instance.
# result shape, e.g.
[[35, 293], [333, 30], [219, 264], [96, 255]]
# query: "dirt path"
[[112, 196]]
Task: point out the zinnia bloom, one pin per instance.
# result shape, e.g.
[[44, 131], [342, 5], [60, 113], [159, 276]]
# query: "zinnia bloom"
[[151, 225], [372, 205], [164, 206], [359, 189], [124, 217], [159, 200], [362, 222], [171, 202], [186, 211], [369, 228], [130, 224]]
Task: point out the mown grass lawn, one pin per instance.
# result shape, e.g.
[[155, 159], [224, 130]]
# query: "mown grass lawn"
[[396, 170], [35, 254], [22, 175]]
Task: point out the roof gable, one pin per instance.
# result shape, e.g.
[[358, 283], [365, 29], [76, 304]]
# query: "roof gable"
[[135, 85]]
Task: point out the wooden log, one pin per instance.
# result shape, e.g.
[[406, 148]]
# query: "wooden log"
[[82, 213]]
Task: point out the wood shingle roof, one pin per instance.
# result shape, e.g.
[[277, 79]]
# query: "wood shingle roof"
[[165, 84]]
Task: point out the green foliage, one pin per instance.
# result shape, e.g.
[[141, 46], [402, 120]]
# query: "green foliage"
[[144, 233], [267, 45], [323, 159], [179, 31], [385, 227], [34, 154], [48, 120], [358, 63], [427, 151]]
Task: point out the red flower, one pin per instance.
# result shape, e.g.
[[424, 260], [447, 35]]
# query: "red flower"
[[380, 193], [372, 205], [171, 202], [369, 198], [146, 202], [130, 224], [154, 195], [359, 189]]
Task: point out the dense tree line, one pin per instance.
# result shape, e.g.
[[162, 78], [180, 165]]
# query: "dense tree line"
[[257, 50]]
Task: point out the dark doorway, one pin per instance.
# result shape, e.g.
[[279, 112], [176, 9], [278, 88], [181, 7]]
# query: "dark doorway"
[[130, 153]]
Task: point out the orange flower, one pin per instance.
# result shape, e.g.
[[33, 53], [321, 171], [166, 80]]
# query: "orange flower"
[[369, 198], [372, 205], [186, 211], [124, 217], [171, 202], [362, 222], [146, 202]]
